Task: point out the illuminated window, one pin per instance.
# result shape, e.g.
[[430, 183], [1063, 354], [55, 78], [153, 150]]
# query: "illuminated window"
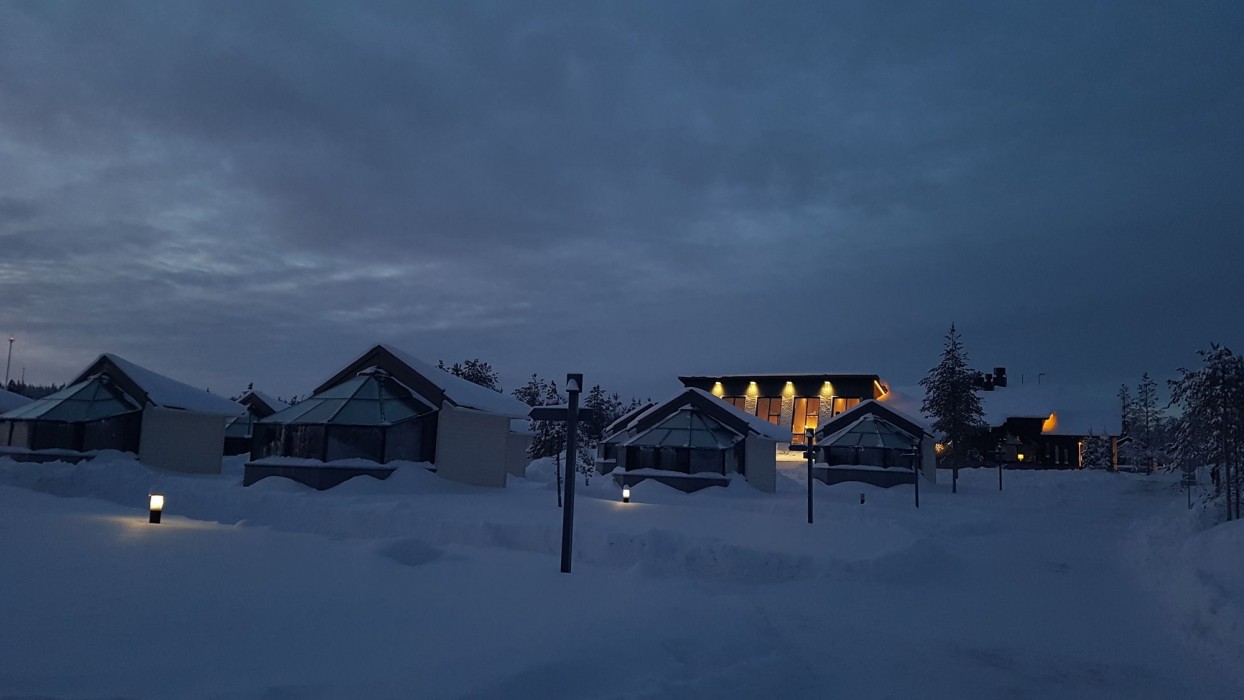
[[803, 417], [739, 402], [770, 408], [844, 404]]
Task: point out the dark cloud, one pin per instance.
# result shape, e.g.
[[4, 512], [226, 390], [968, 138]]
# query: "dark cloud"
[[256, 191]]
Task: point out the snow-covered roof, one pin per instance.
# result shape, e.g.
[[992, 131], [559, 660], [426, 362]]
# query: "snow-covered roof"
[[430, 382], [754, 424], [165, 392], [462, 392], [1075, 410], [274, 403], [10, 401], [871, 430]]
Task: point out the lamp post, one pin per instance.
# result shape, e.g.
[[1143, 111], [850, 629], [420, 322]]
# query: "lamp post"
[[915, 470], [809, 435], [572, 415], [9, 362]]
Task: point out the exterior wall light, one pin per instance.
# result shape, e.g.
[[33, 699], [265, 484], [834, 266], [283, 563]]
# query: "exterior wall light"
[[1020, 457], [626, 494], [156, 507]]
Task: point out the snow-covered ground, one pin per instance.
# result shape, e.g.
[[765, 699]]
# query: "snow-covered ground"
[[1066, 585]]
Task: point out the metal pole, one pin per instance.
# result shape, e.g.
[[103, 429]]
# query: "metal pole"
[[999, 475], [811, 458], [915, 475], [572, 417], [9, 362]]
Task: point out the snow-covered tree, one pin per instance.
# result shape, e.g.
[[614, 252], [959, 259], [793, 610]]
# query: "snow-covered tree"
[[531, 393], [475, 371], [952, 400], [1146, 419], [1210, 429], [1096, 452]]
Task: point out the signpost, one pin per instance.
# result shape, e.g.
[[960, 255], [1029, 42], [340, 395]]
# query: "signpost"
[[808, 448], [572, 414]]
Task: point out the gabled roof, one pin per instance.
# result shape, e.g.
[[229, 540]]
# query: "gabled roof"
[[370, 398], [871, 407], [1075, 412], [156, 389], [690, 428], [722, 412], [10, 401], [872, 431], [260, 404], [431, 383], [96, 398]]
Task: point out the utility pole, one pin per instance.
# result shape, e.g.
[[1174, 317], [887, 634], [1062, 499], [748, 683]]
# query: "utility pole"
[[9, 363]]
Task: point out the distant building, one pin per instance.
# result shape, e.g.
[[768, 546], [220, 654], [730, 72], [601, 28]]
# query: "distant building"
[[876, 444], [1036, 426], [692, 441], [115, 404], [239, 431], [387, 406], [792, 401]]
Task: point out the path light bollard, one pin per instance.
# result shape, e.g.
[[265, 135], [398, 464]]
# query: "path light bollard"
[[155, 507]]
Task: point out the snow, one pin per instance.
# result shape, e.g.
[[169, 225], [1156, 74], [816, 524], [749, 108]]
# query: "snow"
[[171, 393], [10, 401], [1066, 585], [275, 404], [460, 391]]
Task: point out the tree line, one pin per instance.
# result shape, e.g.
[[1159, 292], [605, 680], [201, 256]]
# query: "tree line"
[[1202, 423]]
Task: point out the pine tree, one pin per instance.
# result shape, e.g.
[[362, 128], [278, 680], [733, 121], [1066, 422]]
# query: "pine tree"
[[475, 371], [1210, 429], [1145, 422], [531, 393], [549, 436], [952, 400]]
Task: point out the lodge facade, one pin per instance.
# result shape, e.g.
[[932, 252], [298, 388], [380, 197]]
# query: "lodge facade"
[[793, 401]]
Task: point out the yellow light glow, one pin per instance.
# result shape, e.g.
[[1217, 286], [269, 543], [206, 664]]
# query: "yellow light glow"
[[939, 448], [881, 390], [827, 389], [157, 501], [752, 390], [1020, 456], [718, 391], [1050, 424], [789, 389]]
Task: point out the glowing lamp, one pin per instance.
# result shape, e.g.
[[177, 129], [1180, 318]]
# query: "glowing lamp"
[[155, 504], [626, 494], [1020, 456]]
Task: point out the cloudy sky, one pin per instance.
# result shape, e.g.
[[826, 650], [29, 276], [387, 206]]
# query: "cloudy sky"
[[236, 192]]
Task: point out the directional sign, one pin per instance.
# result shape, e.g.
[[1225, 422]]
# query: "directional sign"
[[558, 413]]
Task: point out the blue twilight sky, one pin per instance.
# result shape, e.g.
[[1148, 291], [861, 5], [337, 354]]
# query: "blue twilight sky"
[[235, 192]]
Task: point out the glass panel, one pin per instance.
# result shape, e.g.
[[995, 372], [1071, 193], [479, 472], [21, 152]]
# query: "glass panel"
[[349, 442], [321, 411], [770, 408], [304, 441], [358, 411], [404, 441], [708, 461]]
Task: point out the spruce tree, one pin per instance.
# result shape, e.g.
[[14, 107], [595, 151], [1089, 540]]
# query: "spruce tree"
[[952, 400], [1210, 428]]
